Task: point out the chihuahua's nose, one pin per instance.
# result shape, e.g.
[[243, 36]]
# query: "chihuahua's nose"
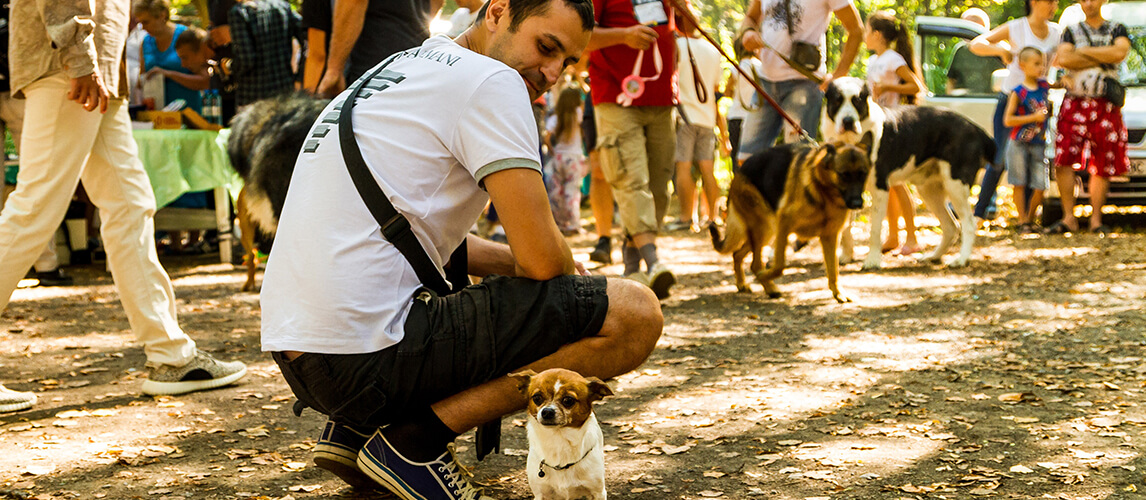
[[547, 414]]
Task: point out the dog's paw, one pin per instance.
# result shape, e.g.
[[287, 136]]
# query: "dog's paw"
[[959, 262], [841, 298], [871, 264], [934, 258], [847, 259], [774, 295], [743, 289]]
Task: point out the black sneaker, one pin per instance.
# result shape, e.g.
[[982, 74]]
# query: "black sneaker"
[[337, 451], [440, 479], [603, 252], [54, 277]]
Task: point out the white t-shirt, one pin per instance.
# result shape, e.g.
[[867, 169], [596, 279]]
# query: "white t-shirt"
[[1022, 37], [435, 123], [708, 65], [744, 95], [810, 20], [461, 20], [881, 69]]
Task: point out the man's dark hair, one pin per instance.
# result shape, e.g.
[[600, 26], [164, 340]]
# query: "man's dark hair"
[[520, 10], [192, 38]]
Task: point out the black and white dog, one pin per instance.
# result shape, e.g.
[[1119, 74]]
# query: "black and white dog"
[[937, 150]]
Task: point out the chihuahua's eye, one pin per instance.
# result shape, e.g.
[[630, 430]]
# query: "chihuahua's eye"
[[538, 399], [568, 401]]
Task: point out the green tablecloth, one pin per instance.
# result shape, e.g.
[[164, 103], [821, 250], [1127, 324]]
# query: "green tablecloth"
[[181, 161]]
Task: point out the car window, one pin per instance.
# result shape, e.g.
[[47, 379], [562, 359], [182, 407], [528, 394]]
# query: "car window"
[[950, 69]]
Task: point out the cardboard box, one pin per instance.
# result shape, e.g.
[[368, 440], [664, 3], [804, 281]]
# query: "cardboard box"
[[164, 120], [196, 121]]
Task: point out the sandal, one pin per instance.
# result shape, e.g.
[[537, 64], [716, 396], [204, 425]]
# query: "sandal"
[[1103, 230], [1027, 228], [1059, 227]]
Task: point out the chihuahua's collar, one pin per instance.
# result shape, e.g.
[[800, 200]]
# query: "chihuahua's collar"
[[541, 467]]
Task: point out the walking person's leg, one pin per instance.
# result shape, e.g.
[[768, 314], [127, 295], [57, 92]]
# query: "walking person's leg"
[[57, 139], [116, 183]]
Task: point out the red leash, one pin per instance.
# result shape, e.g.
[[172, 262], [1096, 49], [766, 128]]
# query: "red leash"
[[687, 14]]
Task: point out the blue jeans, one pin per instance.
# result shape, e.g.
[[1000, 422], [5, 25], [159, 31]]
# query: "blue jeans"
[[800, 98], [995, 169]]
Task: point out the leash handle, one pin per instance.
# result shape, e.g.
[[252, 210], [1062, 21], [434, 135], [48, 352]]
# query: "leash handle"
[[755, 84]]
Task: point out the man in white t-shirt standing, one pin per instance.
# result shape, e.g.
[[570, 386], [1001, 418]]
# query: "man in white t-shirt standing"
[[698, 74], [443, 128], [774, 27]]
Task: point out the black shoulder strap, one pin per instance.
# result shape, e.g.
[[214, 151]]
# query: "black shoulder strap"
[[395, 227]]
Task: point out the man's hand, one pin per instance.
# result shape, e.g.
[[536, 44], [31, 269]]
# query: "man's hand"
[[89, 91], [752, 41], [332, 83], [640, 37], [581, 271]]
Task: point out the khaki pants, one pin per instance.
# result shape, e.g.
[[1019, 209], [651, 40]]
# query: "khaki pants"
[[12, 119], [62, 144], [636, 147]]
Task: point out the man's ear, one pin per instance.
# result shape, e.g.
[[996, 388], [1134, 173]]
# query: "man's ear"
[[523, 378], [598, 390], [496, 13]]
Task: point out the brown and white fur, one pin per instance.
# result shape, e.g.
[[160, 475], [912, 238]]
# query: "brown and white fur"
[[792, 189], [937, 150], [566, 447]]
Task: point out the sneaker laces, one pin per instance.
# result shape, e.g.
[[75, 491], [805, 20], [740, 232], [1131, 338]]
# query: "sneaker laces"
[[456, 474]]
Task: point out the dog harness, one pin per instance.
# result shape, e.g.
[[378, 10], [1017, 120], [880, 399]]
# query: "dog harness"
[[541, 467]]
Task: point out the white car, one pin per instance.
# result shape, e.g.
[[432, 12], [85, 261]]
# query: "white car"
[[972, 87]]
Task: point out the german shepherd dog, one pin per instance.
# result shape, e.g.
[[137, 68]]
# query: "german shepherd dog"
[[937, 150], [266, 138], [793, 188]]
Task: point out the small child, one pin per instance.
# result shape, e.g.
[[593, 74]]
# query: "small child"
[[567, 164], [1027, 111], [893, 80]]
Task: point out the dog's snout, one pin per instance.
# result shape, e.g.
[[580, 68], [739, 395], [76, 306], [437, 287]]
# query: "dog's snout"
[[849, 124], [854, 202], [547, 414]]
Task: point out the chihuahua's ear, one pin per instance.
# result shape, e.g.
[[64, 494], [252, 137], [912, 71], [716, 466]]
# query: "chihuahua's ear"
[[598, 390], [523, 378]]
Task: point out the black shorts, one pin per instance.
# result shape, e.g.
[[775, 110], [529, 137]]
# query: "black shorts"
[[451, 343]]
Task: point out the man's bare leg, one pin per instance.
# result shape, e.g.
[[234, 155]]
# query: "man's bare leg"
[[1099, 186]]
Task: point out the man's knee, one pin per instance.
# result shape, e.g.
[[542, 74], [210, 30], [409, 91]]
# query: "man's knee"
[[637, 315]]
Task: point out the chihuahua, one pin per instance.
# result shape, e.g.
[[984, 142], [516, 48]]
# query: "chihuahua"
[[566, 447]]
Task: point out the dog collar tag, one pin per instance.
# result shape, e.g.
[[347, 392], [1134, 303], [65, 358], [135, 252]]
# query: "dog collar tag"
[[540, 471]]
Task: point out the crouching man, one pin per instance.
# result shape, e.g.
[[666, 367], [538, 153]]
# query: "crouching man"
[[443, 128]]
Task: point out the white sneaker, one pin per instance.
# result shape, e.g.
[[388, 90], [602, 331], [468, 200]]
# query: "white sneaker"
[[660, 280], [15, 400], [201, 373]]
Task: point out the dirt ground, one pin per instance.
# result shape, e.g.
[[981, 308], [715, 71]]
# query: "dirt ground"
[[1020, 376]]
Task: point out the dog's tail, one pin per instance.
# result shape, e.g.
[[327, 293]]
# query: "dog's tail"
[[736, 229]]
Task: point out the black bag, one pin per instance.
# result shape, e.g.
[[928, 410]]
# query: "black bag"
[[1110, 88], [806, 54], [1113, 91], [803, 53]]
